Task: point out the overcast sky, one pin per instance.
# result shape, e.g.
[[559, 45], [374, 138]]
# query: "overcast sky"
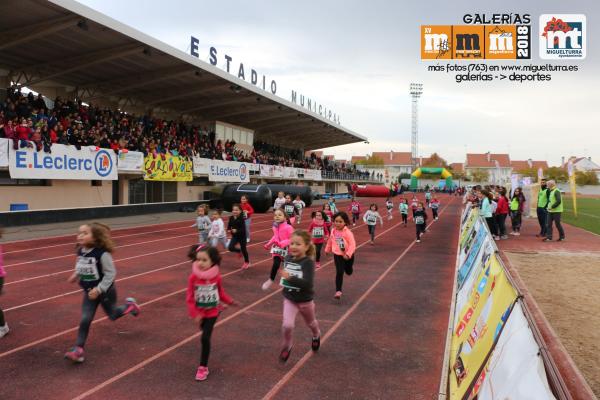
[[358, 58]]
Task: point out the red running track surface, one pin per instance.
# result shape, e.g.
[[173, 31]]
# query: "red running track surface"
[[384, 339]]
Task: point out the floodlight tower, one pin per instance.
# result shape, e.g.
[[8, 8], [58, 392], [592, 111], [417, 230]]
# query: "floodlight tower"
[[416, 90]]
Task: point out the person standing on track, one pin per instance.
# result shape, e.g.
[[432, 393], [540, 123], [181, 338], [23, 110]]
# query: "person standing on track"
[[202, 224], [96, 273], [341, 242], [216, 234], [370, 218], [501, 213], [237, 229], [3, 325], [389, 204], [420, 221], [555, 210], [404, 211], [278, 245], [205, 295], [297, 280], [318, 231], [247, 211], [300, 206], [516, 205], [354, 209], [542, 212]]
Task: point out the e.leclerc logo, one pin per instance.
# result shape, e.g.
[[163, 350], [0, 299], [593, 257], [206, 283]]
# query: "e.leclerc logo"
[[103, 163]]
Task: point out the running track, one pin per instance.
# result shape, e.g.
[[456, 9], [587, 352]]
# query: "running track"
[[384, 340]]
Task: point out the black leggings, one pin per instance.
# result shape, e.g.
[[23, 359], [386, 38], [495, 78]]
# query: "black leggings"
[[275, 267], [405, 219], [420, 230], [491, 223], [355, 217], [207, 326], [434, 211], [318, 247], [2, 321], [242, 241], [372, 231], [108, 301], [501, 224], [342, 266]]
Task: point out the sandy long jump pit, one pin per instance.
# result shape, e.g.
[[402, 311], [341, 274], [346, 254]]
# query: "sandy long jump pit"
[[566, 286]]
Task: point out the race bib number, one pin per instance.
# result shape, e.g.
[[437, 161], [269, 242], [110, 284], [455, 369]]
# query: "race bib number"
[[278, 251], [419, 220], [207, 296], [318, 232], [434, 205], [340, 243], [289, 210], [354, 209], [372, 220], [299, 206], [294, 270], [389, 206], [245, 214], [87, 269]]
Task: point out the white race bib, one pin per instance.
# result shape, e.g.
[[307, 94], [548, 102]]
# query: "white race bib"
[[419, 220], [207, 296], [278, 251], [294, 270], [340, 243], [289, 209], [372, 220], [87, 269], [318, 232], [354, 209]]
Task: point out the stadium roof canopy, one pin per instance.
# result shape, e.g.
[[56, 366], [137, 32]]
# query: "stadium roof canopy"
[[64, 43]]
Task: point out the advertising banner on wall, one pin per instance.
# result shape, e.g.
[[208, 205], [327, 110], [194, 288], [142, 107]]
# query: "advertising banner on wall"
[[201, 165], [4, 143], [65, 162], [130, 161], [171, 168], [228, 171], [271, 171], [290, 173]]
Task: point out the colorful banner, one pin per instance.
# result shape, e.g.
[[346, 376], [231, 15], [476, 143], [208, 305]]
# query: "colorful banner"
[[271, 171], [478, 325], [228, 171], [200, 165], [516, 369], [468, 227], [65, 162], [4, 143], [169, 168], [130, 161]]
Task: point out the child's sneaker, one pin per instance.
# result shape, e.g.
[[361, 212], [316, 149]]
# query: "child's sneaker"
[[245, 265], [248, 240], [267, 284], [338, 295], [316, 343], [75, 354], [285, 354], [4, 330], [318, 264], [132, 307], [202, 373], [418, 240]]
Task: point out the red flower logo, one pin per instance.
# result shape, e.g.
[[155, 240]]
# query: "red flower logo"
[[556, 25]]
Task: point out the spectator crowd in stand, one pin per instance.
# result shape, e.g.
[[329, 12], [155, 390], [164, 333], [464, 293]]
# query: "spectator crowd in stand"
[[29, 122]]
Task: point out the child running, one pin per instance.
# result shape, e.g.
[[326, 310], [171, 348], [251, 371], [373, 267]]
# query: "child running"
[[96, 273], [389, 204], [279, 201], [332, 205], [404, 211], [327, 215], [3, 325], [202, 224], [237, 229], [297, 279], [289, 209], [434, 204], [354, 209], [341, 243], [205, 294], [420, 220], [319, 231], [247, 211], [300, 206], [217, 234], [370, 219], [414, 204], [278, 245]]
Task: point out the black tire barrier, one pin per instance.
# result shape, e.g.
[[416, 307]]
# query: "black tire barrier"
[[305, 192], [259, 196]]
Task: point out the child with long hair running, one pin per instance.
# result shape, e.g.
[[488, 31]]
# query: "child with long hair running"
[[327, 216], [318, 231], [96, 273], [434, 204], [354, 209], [370, 218], [389, 204], [216, 234], [202, 224], [205, 295], [297, 280], [278, 245], [300, 206], [3, 325], [247, 212], [341, 242], [420, 220], [289, 209], [237, 228], [404, 211], [414, 204]]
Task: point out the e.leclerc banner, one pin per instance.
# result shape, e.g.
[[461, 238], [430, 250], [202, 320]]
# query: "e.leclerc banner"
[[171, 168], [65, 162], [228, 171]]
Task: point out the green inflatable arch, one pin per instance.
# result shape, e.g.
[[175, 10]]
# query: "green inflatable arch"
[[414, 177]]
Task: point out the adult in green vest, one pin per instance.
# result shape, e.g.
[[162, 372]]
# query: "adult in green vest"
[[555, 209], [542, 203]]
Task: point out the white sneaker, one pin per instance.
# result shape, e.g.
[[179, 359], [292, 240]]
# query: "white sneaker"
[[248, 240], [267, 284], [418, 241], [4, 330]]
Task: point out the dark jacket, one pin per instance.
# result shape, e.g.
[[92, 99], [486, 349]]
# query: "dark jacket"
[[299, 287]]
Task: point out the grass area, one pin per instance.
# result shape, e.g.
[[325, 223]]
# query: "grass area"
[[588, 213]]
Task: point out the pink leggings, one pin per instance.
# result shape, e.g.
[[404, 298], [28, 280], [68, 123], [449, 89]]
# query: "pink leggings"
[[290, 310]]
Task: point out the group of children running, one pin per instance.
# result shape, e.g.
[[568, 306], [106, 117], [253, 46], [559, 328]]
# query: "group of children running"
[[296, 252]]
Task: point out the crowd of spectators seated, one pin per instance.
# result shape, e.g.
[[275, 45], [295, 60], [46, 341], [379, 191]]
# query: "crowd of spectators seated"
[[29, 122]]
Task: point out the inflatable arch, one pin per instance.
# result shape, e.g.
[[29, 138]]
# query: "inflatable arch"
[[414, 177]]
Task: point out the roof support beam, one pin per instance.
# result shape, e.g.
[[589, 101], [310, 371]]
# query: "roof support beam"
[[182, 93], [266, 108], [18, 36], [238, 100]]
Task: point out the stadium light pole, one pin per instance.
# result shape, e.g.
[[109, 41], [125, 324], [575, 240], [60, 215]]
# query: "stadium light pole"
[[416, 90]]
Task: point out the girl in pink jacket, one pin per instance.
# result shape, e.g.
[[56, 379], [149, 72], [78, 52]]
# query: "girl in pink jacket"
[[278, 245], [341, 242]]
